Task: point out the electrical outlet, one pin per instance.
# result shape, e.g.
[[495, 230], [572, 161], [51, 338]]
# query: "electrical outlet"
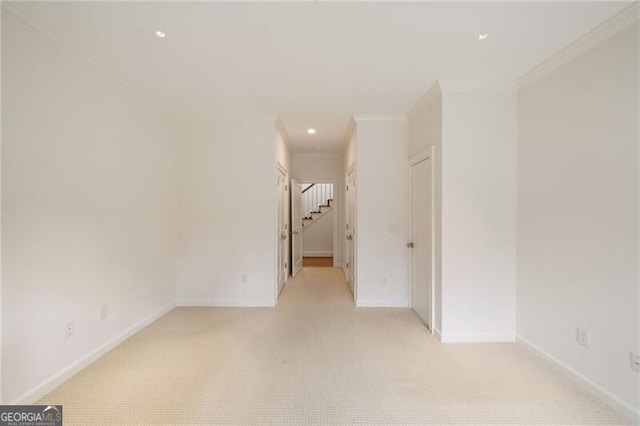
[[583, 337], [69, 329], [243, 278], [635, 362], [104, 312]]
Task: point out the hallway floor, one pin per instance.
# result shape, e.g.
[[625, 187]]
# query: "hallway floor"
[[316, 359], [318, 262]]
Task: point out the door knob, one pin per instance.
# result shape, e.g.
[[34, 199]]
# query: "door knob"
[[410, 245]]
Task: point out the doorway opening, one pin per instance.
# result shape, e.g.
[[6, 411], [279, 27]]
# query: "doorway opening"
[[318, 214], [314, 218]]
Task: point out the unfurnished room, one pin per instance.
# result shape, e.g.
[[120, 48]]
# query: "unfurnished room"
[[320, 212]]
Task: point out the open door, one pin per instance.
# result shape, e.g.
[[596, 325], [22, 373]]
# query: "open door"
[[282, 237], [350, 233], [421, 235], [296, 226]]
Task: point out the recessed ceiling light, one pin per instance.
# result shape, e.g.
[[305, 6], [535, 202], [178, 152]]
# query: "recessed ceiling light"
[[483, 36], [311, 131], [160, 34]]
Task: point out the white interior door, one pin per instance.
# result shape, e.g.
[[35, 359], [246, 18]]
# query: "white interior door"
[[296, 226], [421, 234], [350, 232], [283, 232]]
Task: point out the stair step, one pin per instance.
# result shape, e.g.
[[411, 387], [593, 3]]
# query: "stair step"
[[321, 210]]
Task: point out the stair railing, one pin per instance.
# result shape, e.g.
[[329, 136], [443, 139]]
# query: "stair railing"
[[315, 197]]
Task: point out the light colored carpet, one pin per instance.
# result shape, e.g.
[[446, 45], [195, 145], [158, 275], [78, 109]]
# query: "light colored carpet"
[[316, 359]]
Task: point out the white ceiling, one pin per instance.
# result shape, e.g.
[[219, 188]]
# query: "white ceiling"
[[329, 136], [315, 63]]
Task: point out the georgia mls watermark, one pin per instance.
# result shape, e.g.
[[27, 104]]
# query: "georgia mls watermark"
[[30, 415]]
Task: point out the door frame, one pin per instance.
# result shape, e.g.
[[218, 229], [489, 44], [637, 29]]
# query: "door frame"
[[426, 153], [281, 171], [335, 215]]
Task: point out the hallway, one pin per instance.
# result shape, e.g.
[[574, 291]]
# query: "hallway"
[[316, 359]]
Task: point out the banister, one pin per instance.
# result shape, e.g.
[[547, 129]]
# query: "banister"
[[315, 197], [308, 188]]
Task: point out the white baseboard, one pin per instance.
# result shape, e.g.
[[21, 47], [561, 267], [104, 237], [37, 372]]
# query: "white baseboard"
[[615, 402], [40, 390], [477, 338], [239, 303], [317, 254], [382, 303], [438, 333]]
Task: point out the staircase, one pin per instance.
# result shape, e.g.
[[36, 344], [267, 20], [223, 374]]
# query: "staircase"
[[316, 201]]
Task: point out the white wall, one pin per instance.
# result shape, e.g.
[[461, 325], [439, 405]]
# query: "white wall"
[[425, 121], [578, 214], [313, 167], [478, 214], [227, 212], [382, 179], [317, 236], [283, 154], [350, 148], [425, 130], [88, 196]]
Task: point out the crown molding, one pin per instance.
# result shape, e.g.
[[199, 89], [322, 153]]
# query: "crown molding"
[[477, 88], [61, 41], [358, 118], [351, 130], [316, 154], [352, 127], [283, 131], [602, 32], [430, 95]]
